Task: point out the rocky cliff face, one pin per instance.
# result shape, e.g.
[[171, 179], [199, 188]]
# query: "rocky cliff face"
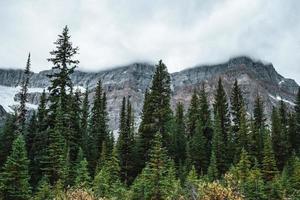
[[254, 77]]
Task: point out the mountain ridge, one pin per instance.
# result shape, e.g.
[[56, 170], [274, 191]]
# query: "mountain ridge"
[[254, 76]]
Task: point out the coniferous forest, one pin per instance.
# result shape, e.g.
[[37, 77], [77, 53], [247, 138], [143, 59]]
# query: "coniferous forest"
[[212, 150]]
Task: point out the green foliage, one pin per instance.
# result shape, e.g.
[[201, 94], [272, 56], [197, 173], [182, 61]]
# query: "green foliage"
[[157, 180], [7, 136], [193, 114], [219, 147], [258, 129], [82, 177], [178, 137], [269, 168], [296, 137], [125, 143], [14, 177], [56, 159], [107, 181], [198, 151], [157, 113], [212, 171], [98, 132], [21, 110], [44, 190]]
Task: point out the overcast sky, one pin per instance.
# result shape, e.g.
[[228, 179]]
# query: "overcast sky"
[[183, 33]]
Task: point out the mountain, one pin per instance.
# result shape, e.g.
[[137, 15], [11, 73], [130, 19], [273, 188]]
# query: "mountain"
[[254, 77]]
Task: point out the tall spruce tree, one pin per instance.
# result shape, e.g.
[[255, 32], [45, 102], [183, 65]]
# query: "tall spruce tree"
[[237, 106], [193, 114], [178, 139], [84, 117], [14, 176], [258, 130], [297, 127], [157, 180], [199, 154], [75, 139], [125, 143], [222, 111], [237, 103], [98, 132], [82, 177], [205, 118], [55, 161], [218, 146], [107, 181], [7, 136], [60, 81], [269, 169], [157, 114], [242, 137], [40, 141], [279, 139], [22, 111]]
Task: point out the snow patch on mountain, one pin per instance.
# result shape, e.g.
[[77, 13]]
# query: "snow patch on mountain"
[[278, 98], [7, 95]]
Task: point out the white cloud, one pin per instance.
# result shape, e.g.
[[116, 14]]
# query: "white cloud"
[[182, 33]]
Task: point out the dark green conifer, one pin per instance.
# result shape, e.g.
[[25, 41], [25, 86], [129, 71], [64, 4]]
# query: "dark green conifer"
[[22, 111], [222, 111], [82, 177], [193, 114], [14, 176], [7, 136], [157, 114], [269, 169], [179, 137], [297, 127]]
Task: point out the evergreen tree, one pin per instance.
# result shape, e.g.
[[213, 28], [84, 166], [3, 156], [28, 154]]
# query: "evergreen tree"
[[84, 117], [157, 180], [279, 140], [193, 114], [222, 111], [60, 81], [198, 151], [125, 143], [218, 147], [254, 187], [237, 103], [212, 171], [205, 119], [297, 127], [107, 181], [44, 190], [22, 111], [258, 129], [56, 158], [98, 132], [30, 135], [40, 142], [157, 114], [15, 177], [269, 168], [7, 137], [179, 137], [243, 167], [242, 136], [292, 134], [238, 114], [82, 177], [75, 139], [295, 173]]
